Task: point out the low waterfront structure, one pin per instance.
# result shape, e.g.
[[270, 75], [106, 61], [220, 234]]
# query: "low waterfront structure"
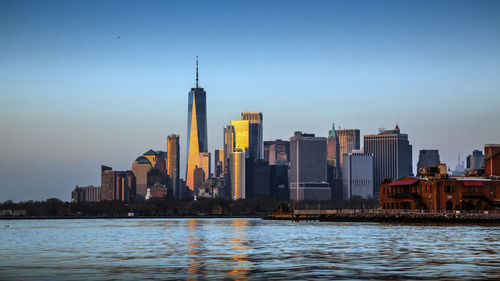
[[441, 194]]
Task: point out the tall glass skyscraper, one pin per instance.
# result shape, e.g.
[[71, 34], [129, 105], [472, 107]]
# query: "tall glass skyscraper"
[[196, 129], [255, 134]]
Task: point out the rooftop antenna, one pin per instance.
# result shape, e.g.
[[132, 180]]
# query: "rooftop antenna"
[[196, 72]]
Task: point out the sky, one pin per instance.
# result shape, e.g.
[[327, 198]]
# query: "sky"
[[85, 83]]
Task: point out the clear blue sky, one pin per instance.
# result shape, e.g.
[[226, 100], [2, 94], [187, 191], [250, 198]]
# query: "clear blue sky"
[[85, 83]]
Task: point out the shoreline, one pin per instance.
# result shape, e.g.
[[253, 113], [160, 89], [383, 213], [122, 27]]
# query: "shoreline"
[[131, 217]]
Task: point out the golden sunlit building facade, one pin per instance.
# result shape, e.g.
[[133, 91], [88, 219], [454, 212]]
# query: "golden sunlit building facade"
[[197, 129], [241, 131]]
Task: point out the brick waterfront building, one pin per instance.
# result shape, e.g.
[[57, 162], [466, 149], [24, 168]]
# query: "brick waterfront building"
[[441, 194]]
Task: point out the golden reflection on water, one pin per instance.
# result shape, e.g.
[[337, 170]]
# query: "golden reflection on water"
[[239, 251], [193, 250]]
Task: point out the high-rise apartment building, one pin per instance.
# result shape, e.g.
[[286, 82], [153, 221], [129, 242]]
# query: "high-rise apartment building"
[[308, 168], [196, 129], [428, 158], [349, 140], [357, 175], [391, 151], [86, 194], [237, 170], [173, 171], [255, 134]]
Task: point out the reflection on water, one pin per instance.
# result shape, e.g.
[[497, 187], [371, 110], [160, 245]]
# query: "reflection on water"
[[240, 253], [242, 249]]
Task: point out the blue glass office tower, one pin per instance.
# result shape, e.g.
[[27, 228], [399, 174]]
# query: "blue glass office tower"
[[196, 129]]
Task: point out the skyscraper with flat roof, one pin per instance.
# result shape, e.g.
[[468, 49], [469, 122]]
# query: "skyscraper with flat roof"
[[196, 129], [237, 169], [255, 134], [173, 156], [428, 158], [241, 134], [308, 168], [349, 140], [205, 163], [391, 151]]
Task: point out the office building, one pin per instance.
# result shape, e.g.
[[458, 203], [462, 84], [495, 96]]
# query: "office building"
[[241, 134], [255, 134], [428, 158], [107, 183], [333, 147], [357, 175], [117, 185], [277, 152], [237, 170], [173, 171], [391, 151], [205, 163], [349, 140], [257, 178], [308, 168], [141, 168], [476, 160], [198, 178], [229, 145], [218, 162], [196, 129], [279, 182]]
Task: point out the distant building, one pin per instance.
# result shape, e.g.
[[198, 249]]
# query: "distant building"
[[117, 185], [198, 178], [107, 183], [428, 158], [334, 173], [241, 134], [492, 160], [277, 152], [125, 186], [141, 168], [237, 162], [308, 168], [279, 182], [257, 178], [334, 153], [218, 162], [391, 151], [349, 140], [229, 145], [459, 169], [357, 175], [476, 160], [255, 134], [86, 194], [441, 194], [196, 129], [205, 163], [173, 156]]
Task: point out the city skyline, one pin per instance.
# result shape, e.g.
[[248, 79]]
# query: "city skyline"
[[59, 128]]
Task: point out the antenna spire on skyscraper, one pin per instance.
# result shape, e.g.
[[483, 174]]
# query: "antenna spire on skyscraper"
[[196, 72]]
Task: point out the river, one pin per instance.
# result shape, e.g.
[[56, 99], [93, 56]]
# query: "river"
[[244, 249]]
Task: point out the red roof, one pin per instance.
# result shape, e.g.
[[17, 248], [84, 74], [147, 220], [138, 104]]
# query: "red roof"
[[404, 181], [473, 183]]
